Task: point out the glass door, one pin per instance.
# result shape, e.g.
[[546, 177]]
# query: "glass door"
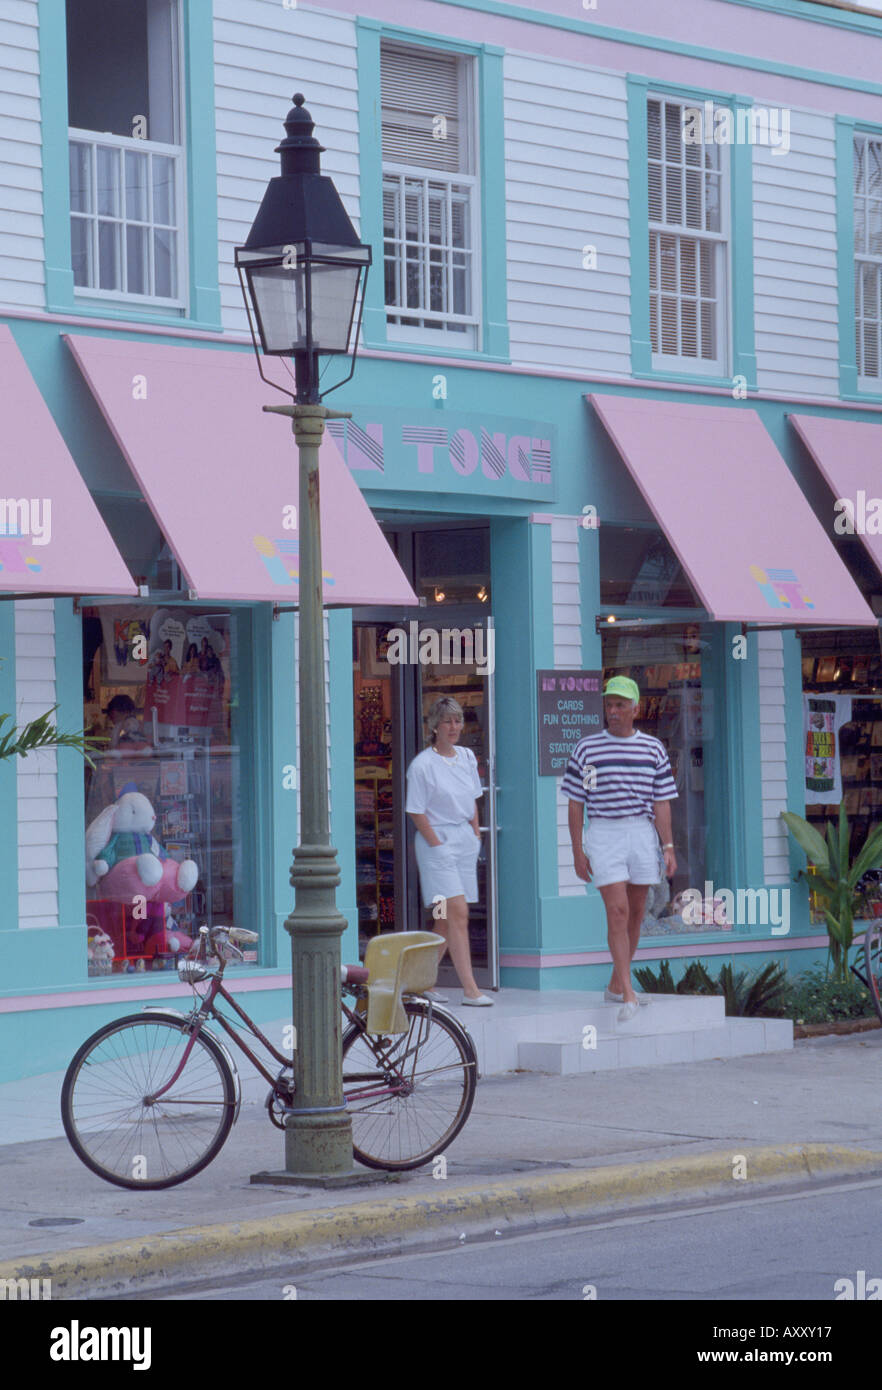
[[457, 659]]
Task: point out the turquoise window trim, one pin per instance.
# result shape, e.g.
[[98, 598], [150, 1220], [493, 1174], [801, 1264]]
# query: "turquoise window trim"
[[794, 734], [9, 780], [609, 33], [638, 221], [800, 9], [741, 347], [251, 731], [200, 171], [845, 132], [71, 798], [342, 771], [491, 147], [846, 129]]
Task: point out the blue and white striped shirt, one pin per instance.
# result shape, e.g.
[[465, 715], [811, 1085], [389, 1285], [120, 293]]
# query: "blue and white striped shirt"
[[618, 777]]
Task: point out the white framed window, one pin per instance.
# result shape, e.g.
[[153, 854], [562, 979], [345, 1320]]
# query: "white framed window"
[[688, 241], [868, 260], [431, 244], [127, 200]]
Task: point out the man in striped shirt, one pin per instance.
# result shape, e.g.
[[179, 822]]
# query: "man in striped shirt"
[[624, 779]]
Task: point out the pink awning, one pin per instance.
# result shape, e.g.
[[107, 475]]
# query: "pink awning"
[[747, 539], [221, 476], [52, 537], [849, 456]]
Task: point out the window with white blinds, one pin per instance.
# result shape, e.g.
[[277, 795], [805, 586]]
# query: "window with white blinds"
[[429, 194], [687, 243], [868, 259]]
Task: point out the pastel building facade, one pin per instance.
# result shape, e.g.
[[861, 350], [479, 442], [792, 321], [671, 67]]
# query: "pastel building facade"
[[621, 353]]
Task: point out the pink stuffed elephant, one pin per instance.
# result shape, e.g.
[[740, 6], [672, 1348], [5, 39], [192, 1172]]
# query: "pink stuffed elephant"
[[126, 861]]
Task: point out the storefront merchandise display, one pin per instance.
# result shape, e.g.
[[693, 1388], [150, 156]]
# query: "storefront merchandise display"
[[162, 801]]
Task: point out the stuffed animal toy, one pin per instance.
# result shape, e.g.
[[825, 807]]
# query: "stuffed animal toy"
[[126, 861], [100, 952]]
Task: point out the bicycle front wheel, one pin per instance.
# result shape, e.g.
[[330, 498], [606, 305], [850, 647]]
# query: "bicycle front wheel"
[[409, 1094], [873, 956], [111, 1119]]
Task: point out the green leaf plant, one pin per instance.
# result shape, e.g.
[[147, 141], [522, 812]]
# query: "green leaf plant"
[[40, 734], [835, 878]]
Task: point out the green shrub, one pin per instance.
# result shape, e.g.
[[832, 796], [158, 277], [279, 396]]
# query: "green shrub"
[[816, 996], [749, 994]]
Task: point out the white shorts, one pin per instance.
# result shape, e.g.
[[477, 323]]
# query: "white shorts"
[[451, 868], [622, 851]]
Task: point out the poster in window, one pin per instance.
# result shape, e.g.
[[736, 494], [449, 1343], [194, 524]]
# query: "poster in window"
[[823, 717]]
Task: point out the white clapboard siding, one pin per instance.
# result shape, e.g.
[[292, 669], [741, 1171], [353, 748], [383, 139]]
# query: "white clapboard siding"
[[35, 692], [773, 746], [566, 168], [21, 199], [566, 616], [794, 248], [264, 53]]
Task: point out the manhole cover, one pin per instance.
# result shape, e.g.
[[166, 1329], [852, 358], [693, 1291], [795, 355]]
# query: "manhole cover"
[[57, 1221]]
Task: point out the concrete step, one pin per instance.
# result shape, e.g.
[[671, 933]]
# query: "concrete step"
[[565, 1031], [734, 1037]]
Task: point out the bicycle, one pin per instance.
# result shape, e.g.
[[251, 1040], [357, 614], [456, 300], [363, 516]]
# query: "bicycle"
[[149, 1100], [873, 965]]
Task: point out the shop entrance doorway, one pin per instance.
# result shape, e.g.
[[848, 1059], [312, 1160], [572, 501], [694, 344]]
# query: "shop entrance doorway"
[[402, 665]]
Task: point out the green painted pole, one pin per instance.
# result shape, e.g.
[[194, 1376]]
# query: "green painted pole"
[[318, 1128]]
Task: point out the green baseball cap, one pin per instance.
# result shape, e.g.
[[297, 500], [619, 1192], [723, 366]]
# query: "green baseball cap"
[[624, 686]]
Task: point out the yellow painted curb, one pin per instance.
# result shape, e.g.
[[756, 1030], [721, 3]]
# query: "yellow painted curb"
[[360, 1227]]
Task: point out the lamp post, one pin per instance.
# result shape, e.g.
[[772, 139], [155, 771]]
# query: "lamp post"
[[302, 272]]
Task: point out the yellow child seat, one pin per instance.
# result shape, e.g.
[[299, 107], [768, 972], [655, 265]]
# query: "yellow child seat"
[[404, 962]]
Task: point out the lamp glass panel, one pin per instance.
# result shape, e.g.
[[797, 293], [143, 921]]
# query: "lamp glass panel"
[[334, 289], [280, 302]]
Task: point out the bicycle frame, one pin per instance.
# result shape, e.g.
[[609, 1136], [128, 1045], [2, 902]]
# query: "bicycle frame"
[[208, 1010]]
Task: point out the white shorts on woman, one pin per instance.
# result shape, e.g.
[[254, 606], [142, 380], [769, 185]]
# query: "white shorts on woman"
[[451, 868]]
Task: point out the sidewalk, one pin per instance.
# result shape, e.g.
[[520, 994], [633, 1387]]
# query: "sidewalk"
[[536, 1148]]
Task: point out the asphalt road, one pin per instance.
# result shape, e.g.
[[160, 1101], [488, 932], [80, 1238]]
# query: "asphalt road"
[[792, 1246]]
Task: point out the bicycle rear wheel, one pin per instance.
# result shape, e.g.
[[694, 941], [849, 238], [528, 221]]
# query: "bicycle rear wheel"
[[409, 1094], [121, 1135], [873, 957]]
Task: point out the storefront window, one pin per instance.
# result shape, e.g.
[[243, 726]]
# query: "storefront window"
[[842, 729], [163, 816], [639, 569], [453, 566], [670, 664]]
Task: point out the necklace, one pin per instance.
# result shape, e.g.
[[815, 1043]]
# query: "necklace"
[[448, 756]]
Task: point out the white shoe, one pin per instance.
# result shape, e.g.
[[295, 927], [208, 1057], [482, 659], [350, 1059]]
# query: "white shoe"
[[480, 1002], [642, 999], [435, 996], [627, 1011]]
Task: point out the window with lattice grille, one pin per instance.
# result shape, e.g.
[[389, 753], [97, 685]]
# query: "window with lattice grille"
[[868, 259], [688, 239], [430, 196]]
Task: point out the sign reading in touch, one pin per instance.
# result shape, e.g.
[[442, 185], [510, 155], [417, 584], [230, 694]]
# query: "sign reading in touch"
[[570, 706]]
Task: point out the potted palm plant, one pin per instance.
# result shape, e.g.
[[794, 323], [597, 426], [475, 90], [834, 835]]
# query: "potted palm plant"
[[836, 879]]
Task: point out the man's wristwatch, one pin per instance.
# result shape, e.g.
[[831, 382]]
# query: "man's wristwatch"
[[670, 846]]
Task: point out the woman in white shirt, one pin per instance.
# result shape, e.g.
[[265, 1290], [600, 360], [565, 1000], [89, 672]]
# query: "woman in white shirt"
[[442, 788]]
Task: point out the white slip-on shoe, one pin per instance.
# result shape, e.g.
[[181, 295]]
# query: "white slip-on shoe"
[[627, 1011], [610, 998], [480, 1002], [435, 996]]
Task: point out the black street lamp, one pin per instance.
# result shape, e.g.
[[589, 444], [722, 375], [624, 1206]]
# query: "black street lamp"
[[305, 269]]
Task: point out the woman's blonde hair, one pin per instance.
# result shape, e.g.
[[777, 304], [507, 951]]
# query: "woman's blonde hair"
[[442, 707]]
